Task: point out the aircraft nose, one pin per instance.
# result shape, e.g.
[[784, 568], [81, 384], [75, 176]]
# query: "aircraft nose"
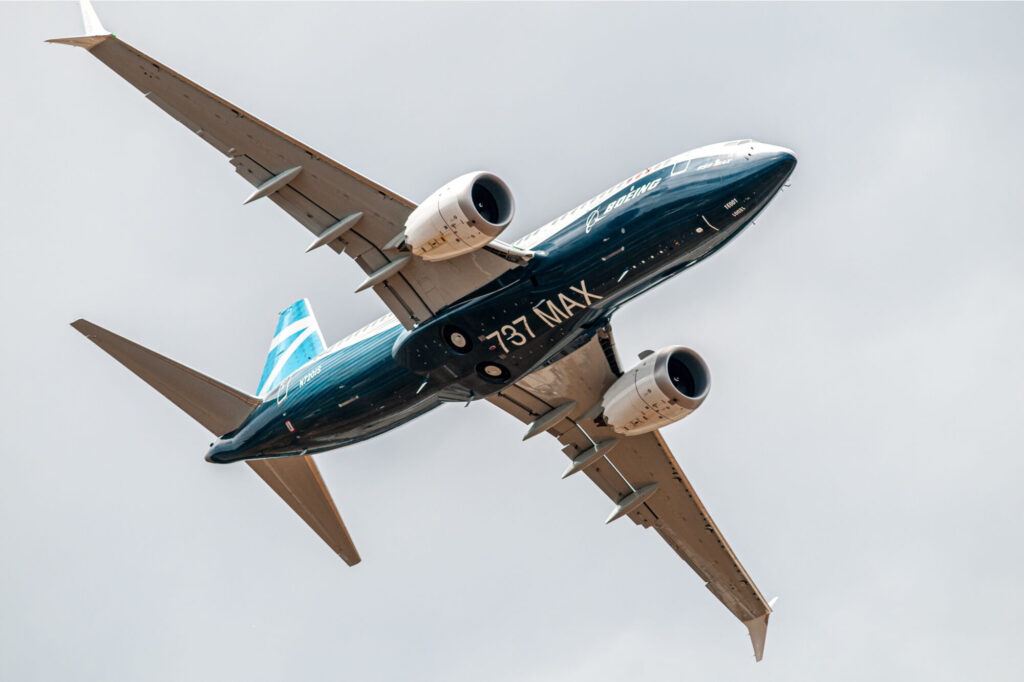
[[781, 158], [786, 161]]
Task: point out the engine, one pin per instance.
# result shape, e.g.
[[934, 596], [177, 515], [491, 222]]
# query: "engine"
[[665, 387], [462, 216]]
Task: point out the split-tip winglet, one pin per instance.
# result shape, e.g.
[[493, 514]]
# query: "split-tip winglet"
[[758, 629], [93, 27], [94, 31]]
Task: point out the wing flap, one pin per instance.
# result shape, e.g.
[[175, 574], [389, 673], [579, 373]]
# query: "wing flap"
[[681, 518]]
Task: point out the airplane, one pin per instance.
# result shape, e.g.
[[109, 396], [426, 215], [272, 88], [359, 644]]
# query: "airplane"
[[524, 325]]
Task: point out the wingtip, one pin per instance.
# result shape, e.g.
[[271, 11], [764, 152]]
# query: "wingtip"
[[94, 34], [758, 629], [91, 20], [88, 42], [81, 324]]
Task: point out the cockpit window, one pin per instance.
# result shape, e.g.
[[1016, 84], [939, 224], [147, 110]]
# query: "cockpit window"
[[702, 163], [680, 167]]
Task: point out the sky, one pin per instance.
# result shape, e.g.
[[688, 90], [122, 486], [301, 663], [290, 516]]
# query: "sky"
[[860, 449]]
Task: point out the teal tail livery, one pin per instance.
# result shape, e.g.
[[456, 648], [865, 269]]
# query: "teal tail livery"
[[523, 326], [297, 340]]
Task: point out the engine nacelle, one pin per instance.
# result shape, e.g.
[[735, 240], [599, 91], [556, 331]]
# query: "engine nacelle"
[[462, 216], [665, 387]]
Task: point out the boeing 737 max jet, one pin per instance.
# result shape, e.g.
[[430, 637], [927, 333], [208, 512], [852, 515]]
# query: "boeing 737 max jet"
[[525, 326]]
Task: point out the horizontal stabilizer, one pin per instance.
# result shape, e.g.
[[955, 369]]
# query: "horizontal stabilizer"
[[218, 407], [297, 480]]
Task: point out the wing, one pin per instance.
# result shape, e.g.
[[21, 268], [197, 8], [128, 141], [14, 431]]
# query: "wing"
[[344, 210], [657, 495]]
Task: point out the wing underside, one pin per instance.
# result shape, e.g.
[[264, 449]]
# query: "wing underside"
[[362, 218], [634, 465]]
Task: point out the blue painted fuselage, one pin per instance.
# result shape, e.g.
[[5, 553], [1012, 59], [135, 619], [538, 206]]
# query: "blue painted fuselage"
[[587, 264]]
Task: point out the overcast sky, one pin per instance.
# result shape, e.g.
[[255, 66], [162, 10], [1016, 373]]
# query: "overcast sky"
[[861, 448]]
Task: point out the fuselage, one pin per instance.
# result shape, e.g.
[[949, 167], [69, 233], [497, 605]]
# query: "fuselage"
[[587, 263]]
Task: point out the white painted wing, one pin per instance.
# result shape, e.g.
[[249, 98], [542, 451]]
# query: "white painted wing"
[[674, 510], [319, 196]]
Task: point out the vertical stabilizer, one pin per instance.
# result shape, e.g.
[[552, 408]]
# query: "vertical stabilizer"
[[297, 340]]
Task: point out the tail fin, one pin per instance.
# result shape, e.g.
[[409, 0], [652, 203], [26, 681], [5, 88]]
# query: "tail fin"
[[218, 407], [297, 340]]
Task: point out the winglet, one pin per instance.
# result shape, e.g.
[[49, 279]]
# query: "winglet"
[[758, 628], [93, 27], [94, 31]]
